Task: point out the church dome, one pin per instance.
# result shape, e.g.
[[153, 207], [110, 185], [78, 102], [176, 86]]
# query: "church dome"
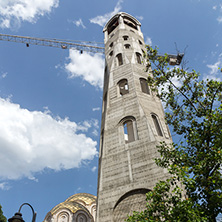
[[78, 207], [86, 198]]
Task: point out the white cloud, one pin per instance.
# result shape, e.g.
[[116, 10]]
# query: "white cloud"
[[95, 109], [79, 23], [139, 17], [85, 125], [214, 67], [214, 7], [148, 41], [215, 70], [102, 19], [4, 186], [94, 169], [13, 12], [33, 141], [219, 19], [3, 75], [88, 66]]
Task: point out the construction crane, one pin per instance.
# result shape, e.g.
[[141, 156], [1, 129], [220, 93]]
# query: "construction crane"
[[77, 45], [58, 43]]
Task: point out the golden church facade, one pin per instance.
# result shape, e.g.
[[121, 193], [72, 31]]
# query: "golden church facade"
[[80, 207]]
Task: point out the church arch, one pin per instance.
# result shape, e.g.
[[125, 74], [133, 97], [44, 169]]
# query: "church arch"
[[82, 216], [63, 217], [134, 200]]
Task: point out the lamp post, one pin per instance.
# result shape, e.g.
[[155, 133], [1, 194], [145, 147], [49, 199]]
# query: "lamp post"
[[18, 216]]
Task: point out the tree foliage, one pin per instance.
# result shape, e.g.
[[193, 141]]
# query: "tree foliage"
[[194, 111], [2, 217]]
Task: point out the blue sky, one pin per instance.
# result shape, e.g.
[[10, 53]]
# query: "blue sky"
[[50, 99]]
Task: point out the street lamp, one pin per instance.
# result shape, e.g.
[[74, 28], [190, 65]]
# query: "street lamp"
[[18, 216]]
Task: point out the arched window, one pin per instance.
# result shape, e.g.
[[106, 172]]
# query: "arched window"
[[63, 217], [129, 129], [140, 42], [119, 59], [125, 37], [144, 86], [113, 25], [111, 53], [130, 23], [157, 125], [111, 45], [81, 218], [138, 58], [123, 87], [127, 46]]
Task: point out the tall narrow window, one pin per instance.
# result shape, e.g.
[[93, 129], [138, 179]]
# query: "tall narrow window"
[[119, 59], [138, 58], [128, 131], [123, 87], [140, 42], [104, 102], [157, 125], [113, 25], [144, 86], [101, 143]]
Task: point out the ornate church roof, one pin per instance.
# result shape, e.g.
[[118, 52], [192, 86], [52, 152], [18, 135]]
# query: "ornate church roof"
[[76, 202], [87, 198], [83, 202]]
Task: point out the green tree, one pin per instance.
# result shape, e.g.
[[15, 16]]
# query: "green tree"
[[2, 217], [194, 111]]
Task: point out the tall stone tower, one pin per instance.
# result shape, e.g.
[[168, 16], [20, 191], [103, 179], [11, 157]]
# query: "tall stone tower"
[[132, 124]]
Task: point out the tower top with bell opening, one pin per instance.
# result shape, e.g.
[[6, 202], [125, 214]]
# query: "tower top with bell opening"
[[121, 20]]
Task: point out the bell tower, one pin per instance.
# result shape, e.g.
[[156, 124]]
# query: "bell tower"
[[132, 124]]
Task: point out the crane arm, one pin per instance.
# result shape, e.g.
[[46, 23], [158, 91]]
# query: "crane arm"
[[64, 44]]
